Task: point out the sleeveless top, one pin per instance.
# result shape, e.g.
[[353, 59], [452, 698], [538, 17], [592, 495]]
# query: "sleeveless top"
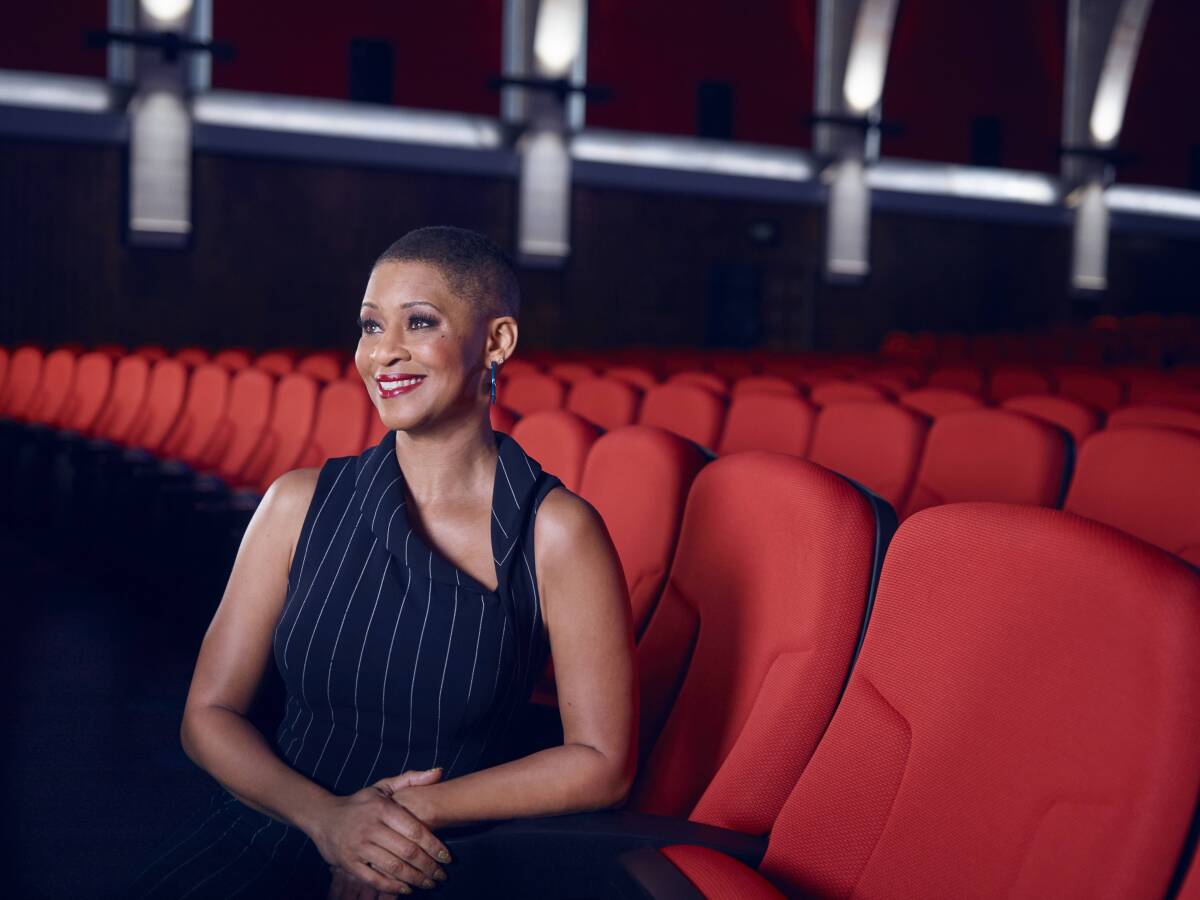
[[393, 657]]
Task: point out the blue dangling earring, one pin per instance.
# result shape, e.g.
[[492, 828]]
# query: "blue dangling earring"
[[492, 392]]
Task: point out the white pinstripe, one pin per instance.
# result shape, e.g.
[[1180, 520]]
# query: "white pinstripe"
[[358, 671], [311, 638], [449, 643], [333, 653], [495, 683], [313, 580], [417, 662], [382, 494], [317, 518], [471, 683], [195, 856], [199, 828], [504, 469], [386, 668], [498, 522], [213, 875]]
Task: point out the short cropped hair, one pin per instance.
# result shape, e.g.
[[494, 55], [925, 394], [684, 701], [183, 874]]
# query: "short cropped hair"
[[475, 268]]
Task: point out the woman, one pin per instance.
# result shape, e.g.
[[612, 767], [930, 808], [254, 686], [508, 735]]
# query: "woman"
[[410, 597]]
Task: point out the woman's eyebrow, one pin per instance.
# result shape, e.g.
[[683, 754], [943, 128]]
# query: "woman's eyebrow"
[[407, 305]]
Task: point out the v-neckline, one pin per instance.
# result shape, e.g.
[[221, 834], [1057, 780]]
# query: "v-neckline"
[[380, 485]]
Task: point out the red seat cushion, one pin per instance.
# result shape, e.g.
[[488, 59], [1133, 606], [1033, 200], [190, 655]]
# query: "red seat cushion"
[[876, 444], [1021, 722], [1145, 481]]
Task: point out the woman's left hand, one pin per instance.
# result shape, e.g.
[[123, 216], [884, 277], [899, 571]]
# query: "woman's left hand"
[[345, 886]]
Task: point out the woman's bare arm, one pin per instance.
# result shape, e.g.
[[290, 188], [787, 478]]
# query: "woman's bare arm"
[[215, 732], [586, 609]]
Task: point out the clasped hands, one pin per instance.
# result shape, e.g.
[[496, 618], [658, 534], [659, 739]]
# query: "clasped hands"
[[375, 846]]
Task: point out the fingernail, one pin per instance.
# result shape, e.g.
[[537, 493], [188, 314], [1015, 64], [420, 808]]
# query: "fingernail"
[[443, 856], [405, 889], [439, 875], [428, 883]]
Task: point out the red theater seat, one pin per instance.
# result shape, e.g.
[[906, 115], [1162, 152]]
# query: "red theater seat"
[[375, 429], [768, 421], [285, 434], [325, 367], [570, 372], [520, 367], [1016, 381], [4, 360], [839, 391], [502, 418], [1007, 644], [638, 478], [764, 384], [689, 410], [1171, 396], [526, 393], [58, 372], [340, 424], [161, 403], [1145, 481], [241, 427], [233, 359], [960, 378], [203, 409], [638, 377], [876, 444], [990, 454], [762, 611], [275, 362], [191, 356], [24, 374], [131, 376], [1162, 416], [1073, 417], [710, 380], [935, 401], [88, 393], [151, 352], [559, 440], [607, 402], [1091, 387]]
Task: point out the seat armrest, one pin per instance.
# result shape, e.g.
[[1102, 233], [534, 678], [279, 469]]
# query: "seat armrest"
[[651, 876], [556, 855]]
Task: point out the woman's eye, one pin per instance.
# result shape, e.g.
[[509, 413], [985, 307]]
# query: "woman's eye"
[[418, 322], [368, 326]]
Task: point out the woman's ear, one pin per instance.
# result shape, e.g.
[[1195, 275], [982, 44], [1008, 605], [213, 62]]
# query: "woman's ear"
[[501, 339]]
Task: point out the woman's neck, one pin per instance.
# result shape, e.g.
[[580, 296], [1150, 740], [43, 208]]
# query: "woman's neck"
[[448, 463]]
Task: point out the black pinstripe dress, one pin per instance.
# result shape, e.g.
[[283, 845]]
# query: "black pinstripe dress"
[[393, 659]]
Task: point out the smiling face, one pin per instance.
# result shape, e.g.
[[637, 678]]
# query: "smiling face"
[[423, 350]]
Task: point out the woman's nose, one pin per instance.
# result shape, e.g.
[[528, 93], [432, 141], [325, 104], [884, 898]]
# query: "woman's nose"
[[390, 351]]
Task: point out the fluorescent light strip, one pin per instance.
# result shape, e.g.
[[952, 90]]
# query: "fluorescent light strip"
[[690, 156], [61, 92], [966, 182], [1153, 201], [341, 119]]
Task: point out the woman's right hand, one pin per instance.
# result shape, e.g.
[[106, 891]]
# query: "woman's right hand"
[[377, 841]]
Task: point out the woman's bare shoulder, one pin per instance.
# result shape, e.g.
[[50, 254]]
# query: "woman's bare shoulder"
[[568, 525], [291, 493]]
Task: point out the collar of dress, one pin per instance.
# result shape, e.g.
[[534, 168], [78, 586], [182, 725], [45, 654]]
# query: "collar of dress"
[[380, 497]]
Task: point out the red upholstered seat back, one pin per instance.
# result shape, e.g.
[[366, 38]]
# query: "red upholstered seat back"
[[326, 367], [876, 444], [638, 478], [58, 371], [936, 401], [559, 440], [24, 373], [160, 408], [293, 412], [502, 418], [1016, 381], [233, 359], [1163, 416], [710, 380], [1090, 387], [967, 379], [1145, 481], [342, 411], [570, 372], [203, 409], [607, 402], [766, 594], [275, 362], [130, 381], [192, 356], [635, 375], [760, 420], [1021, 722], [249, 407], [758, 384], [990, 454], [93, 379], [530, 392], [689, 410], [839, 391], [1077, 419]]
